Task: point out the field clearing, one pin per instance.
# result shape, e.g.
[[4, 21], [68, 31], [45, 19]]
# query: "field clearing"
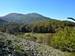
[[37, 35]]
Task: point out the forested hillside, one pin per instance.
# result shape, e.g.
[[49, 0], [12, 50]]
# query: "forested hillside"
[[2, 21], [47, 26]]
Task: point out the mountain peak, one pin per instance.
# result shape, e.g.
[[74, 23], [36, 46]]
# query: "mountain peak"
[[24, 18], [34, 14], [14, 14]]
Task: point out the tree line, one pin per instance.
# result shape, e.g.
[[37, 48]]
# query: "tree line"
[[48, 26]]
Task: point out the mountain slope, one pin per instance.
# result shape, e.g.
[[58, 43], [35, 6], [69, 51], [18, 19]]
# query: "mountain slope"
[[2, 21], [27, 18], [20, 44]]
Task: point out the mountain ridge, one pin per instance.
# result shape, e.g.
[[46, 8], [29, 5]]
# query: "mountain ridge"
[[2, 21], [24, 18]]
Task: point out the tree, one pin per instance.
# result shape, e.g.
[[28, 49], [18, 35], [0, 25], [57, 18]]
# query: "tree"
[[22, 28], [64, 40]]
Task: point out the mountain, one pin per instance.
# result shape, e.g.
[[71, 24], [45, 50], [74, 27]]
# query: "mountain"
[[24, 18], [2, 21]]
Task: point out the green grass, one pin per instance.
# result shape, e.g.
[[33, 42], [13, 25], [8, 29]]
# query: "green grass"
[[37, 35], [28, 35]]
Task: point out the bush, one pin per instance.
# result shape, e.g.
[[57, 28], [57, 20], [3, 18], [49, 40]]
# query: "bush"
[[64, 40]]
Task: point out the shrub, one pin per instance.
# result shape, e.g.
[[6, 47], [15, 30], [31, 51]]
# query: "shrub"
[[64, 39]]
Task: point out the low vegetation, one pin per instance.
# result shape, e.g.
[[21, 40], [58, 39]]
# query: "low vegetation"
[[21, 47], [64, 40]]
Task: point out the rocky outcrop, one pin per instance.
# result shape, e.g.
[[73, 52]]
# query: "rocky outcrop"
[[13, 45]]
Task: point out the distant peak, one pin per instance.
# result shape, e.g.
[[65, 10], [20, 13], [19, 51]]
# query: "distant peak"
[[16, 13], [33, 13]]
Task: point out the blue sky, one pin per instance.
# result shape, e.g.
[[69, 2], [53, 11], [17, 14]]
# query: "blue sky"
[[56, 9]]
